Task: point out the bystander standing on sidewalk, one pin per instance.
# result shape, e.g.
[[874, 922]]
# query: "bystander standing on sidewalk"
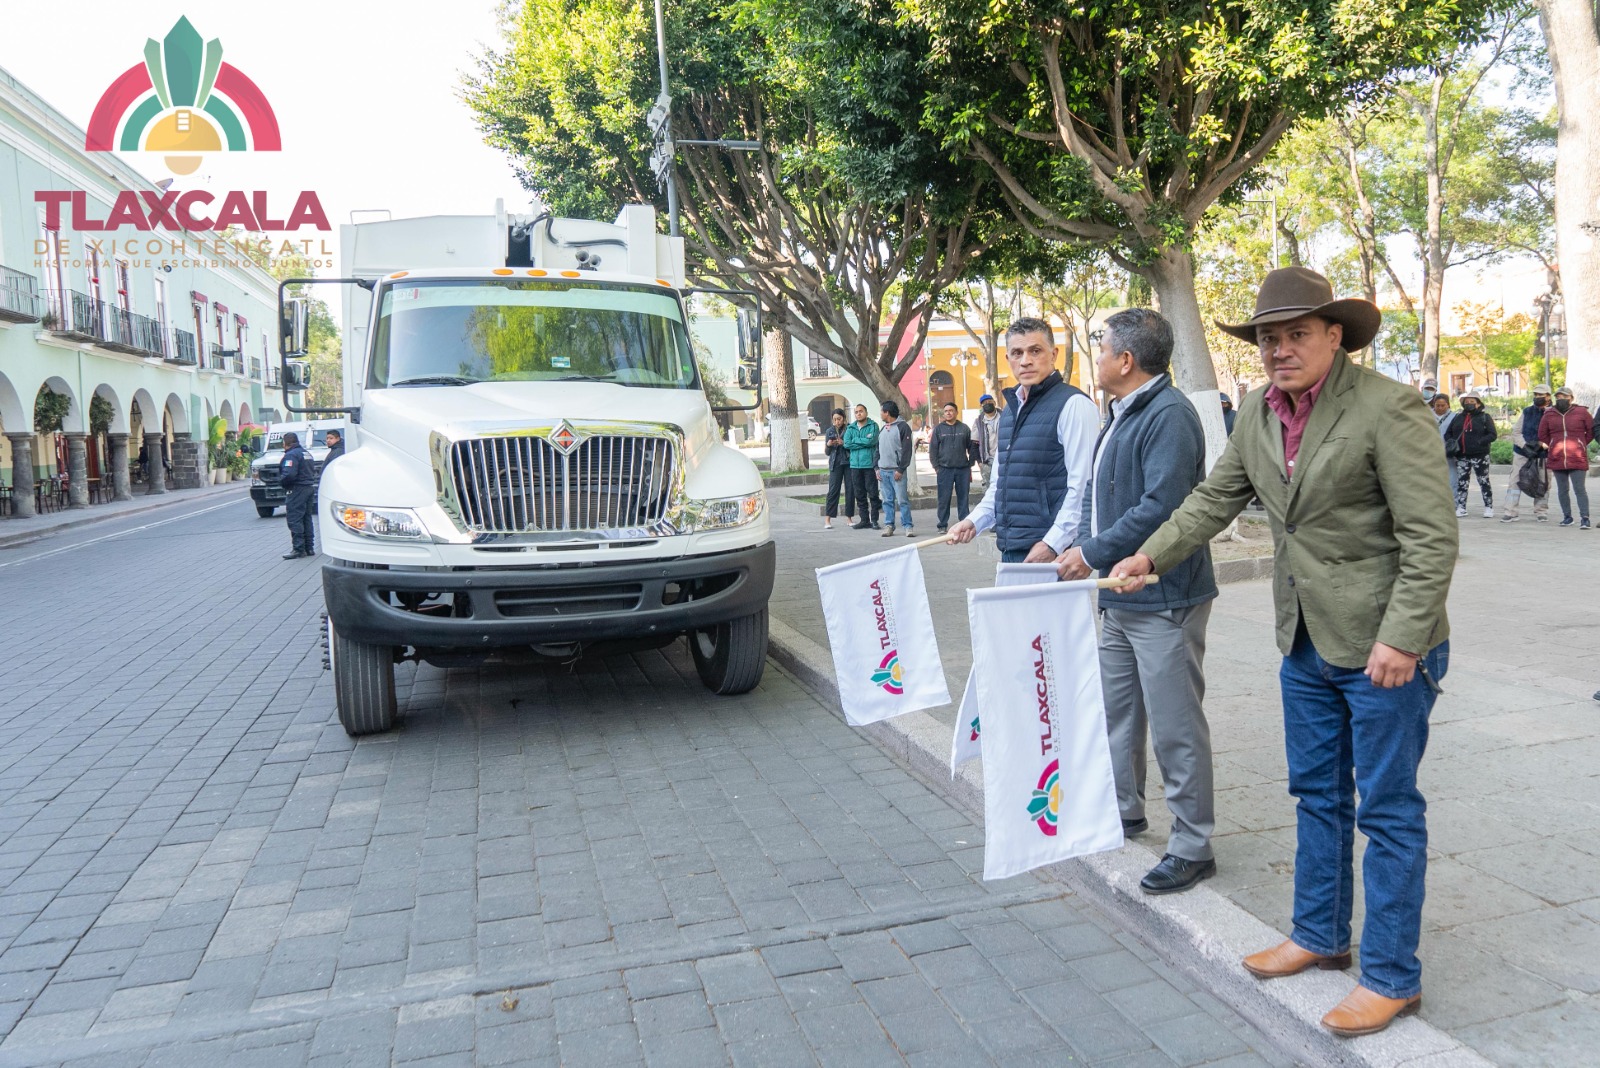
[[1440, 403], [950, 451], [1042, 460], [1364, 550], [896, 451], [1467, 437], [838, 471], [1227, 414], [1525, 443], [1566, 430], [986, 433], [1150, 456], [861, 439]]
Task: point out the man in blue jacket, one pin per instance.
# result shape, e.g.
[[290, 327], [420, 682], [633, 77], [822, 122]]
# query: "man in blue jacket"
[[298, 476], [1151, 453]]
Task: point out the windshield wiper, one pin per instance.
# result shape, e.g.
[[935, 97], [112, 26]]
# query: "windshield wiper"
[[436, 380]]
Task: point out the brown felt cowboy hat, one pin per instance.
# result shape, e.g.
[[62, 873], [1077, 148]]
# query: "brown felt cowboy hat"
[[1292, 292]]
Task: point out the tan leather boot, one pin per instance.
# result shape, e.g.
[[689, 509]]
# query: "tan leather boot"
[[1366, 1012], [1290, 959]]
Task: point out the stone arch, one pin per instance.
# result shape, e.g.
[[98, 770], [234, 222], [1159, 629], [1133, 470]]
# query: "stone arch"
[[178, 413], [119, 414], [244, 413], [15, 417], [76, 421], [226, 411], [149, 412]]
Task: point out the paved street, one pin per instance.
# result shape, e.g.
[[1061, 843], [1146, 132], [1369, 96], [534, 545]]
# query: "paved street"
[[1511, 927], [609, 866]]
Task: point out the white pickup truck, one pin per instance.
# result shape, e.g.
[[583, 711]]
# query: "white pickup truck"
[[533, 469]]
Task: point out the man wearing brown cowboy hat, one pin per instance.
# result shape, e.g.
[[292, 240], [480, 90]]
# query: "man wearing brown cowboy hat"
[[1347, 464]]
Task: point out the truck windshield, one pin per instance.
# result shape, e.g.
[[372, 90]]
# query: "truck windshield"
[[454, 332]]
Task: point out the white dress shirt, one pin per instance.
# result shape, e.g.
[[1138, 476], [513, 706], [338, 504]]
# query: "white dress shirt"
[[1076, 430]]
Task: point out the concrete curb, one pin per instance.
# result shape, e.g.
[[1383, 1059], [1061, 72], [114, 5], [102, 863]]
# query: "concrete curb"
[[1200, 932], [101, 513]]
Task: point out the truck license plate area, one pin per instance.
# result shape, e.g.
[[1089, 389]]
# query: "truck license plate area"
[[514, 485], [569, 601]]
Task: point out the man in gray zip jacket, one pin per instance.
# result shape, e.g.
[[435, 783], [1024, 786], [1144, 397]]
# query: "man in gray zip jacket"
[[1152, 644]]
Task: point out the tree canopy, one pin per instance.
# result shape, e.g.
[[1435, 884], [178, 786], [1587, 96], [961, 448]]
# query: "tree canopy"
[[851, 215]]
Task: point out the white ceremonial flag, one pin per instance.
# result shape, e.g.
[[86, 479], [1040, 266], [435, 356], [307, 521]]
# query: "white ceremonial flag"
[[885, 656], [1047, 788], [965, 745]]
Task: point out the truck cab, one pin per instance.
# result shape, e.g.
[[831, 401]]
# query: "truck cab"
[[533, 470]]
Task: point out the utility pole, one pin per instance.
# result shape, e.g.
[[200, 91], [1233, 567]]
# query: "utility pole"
[[660, 120]]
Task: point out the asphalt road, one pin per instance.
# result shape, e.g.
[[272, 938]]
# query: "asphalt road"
[[599, 866]]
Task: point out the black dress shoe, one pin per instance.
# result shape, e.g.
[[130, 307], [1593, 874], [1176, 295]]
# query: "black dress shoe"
[[1175, 875], [1133, 827]]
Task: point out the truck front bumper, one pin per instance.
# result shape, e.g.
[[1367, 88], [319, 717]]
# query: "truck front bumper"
[[496, 608], [268, 493]]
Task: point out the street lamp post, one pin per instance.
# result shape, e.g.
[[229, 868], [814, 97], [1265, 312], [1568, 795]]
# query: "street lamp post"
[[962, 360]]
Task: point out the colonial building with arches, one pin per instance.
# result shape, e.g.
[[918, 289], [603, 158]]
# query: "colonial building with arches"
[[113, 343]]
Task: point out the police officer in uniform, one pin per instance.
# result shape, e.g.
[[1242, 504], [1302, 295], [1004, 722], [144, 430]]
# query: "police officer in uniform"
[[298, 476]]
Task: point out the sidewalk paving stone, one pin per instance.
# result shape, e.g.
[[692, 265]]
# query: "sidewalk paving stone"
[[607, 866]]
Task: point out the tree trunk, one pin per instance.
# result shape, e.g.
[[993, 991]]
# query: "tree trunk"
[[1574, 43], [1433, 250], [778, 351], [1172, 278]]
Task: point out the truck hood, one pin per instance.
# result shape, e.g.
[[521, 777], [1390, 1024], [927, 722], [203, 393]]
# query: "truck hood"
[[406, 417]]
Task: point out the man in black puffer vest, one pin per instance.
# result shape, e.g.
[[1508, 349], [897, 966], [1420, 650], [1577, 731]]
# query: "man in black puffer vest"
[[1046, 451]]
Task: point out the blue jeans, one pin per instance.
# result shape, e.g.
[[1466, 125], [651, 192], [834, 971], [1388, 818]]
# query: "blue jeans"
[[1343, 734], [895, 491], [1014, 556]]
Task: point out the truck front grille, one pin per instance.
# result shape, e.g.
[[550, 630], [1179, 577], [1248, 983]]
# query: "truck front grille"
[[515, 485]]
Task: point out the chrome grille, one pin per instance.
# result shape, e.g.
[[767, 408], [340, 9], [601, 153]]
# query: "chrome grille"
[[514, 485]]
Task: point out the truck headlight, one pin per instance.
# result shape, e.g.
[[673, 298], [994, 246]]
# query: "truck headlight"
[[379, 522], [719, 513]]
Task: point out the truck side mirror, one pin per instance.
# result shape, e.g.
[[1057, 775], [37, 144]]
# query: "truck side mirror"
[[293, 327], [297, 375], [749, 324]]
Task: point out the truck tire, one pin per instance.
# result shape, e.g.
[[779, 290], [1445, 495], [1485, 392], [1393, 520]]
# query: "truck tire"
[[730, 657], [265, 511], [363, 684]]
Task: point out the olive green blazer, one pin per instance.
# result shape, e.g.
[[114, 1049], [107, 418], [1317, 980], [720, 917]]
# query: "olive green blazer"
[[1364, 534]]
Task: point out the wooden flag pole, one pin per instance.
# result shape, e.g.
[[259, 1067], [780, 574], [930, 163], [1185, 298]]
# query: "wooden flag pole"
[[1104, 584]]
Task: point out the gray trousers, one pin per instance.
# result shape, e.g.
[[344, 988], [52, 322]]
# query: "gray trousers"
[[1152, 672]]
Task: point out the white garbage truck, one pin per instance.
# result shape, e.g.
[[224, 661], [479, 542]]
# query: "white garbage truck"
[[533, 468]]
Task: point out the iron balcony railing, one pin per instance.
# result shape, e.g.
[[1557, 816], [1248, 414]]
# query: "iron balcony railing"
[[19, 297], [514, 485], [119, 328], [274, 376], [150, 336], [255, 369], [215, 361], [77, 316], [233, 361], [184, 351]]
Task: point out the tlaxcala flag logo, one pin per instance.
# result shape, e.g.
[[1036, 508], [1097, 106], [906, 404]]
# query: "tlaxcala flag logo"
[[1048, 793], [885, 655]]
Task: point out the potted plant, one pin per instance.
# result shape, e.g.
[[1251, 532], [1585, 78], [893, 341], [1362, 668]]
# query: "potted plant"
[[217, 440], [238, 466]]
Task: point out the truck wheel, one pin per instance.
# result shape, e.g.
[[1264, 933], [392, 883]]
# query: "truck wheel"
[[264, 512], [363, 684], [730, 657]]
